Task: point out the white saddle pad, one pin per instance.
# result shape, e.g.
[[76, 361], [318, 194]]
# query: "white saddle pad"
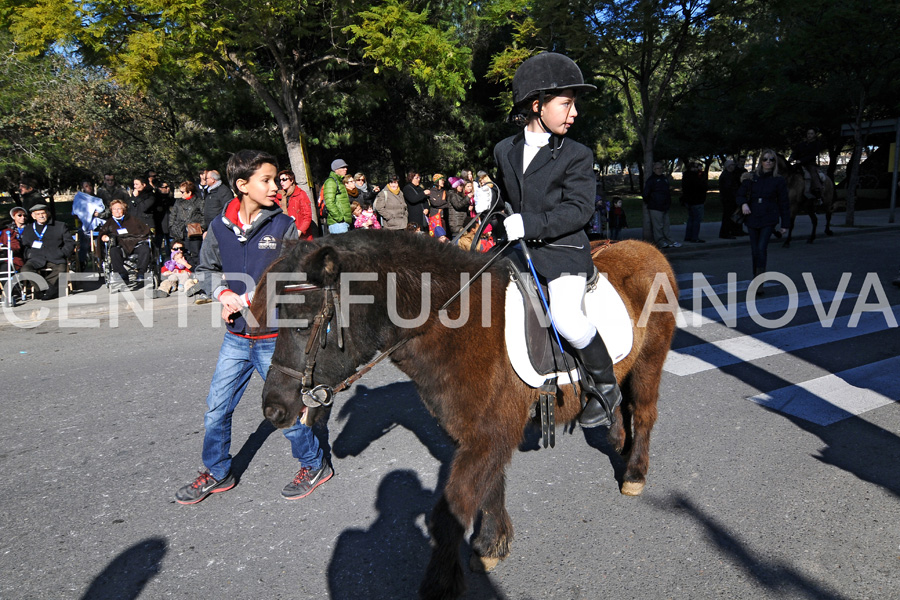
[[603, 307]]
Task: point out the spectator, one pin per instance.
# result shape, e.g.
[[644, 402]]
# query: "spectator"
[[202, 187], [617, 220], [217, 196], [48, 245], [764, 197], [367, 191], [416, 200], [110, 191], [11, 237], [165, 200], [469, 193], [125, 234], [233, 247], [142, 201], [337, 200], [30, 194], [658, 198], [353, 193], [437, 205], [175, 272], [391, 205], [729, 182], [693, 195], [186, 220], [297, 205], [364, 217], [458, 209]]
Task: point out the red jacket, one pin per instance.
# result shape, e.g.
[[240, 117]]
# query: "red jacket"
[[10, 237], [298, 208]]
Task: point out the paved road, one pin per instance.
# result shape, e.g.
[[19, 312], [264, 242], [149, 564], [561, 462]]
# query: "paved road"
[[775, 464]]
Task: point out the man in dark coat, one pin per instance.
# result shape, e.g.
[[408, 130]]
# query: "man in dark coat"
[[30, 194], [658, 198], [48, 245], [729, 182], [217, 197]]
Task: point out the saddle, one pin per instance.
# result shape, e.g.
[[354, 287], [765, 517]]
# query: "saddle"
[[530, 343]]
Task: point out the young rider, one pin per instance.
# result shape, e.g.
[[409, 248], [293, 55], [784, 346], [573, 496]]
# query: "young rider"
[[549, 181]]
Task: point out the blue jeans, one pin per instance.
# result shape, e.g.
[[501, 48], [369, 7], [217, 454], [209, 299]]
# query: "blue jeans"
[[338, 228], [695, 217], [759, 245], [237, 359]]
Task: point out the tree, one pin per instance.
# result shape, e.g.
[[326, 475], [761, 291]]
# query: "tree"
[[294, 56]]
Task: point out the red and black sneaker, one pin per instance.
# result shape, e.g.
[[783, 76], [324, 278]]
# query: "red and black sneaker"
[[203, 486], [306, 480]]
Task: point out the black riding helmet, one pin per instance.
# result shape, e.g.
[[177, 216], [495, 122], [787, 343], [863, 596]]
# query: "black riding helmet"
[[546, 74]]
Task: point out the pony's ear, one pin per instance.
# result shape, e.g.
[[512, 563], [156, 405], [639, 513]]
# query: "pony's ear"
[[323, 267]]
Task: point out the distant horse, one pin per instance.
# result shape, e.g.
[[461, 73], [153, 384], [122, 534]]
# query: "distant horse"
[[801, 204], [358, 289]]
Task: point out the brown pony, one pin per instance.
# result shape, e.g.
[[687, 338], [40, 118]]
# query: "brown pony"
[[374, 280], [801, 204]]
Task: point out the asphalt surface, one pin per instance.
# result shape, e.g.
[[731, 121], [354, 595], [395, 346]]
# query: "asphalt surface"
[[102, 422]]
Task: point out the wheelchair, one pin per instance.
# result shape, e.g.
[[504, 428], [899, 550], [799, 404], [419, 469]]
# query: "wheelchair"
[[154, 266]]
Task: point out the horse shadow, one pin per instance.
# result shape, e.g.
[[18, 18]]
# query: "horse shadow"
[[371, 413], [129, 573], [388, 559], [776, 577]]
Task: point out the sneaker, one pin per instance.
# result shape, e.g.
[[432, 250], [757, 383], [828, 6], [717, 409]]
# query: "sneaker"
[[202, 298], [157, 294], [306, 480], [203, 486], [194, 290], [675, 245]]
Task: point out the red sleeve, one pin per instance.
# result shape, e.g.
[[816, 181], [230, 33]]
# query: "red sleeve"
[[301, 210]]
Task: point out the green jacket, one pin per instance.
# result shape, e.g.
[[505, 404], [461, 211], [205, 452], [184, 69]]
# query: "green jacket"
[[337, 200]]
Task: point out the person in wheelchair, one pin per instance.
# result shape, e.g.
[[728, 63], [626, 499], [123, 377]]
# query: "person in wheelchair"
[[126, 236]]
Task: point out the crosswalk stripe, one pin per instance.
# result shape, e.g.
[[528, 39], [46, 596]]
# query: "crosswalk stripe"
[[703, 357], [764, 306], [835, 397]]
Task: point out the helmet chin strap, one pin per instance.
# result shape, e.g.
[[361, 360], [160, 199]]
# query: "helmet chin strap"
[[554, 147]]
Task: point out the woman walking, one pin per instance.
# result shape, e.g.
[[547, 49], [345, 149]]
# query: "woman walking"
[[764, 199]]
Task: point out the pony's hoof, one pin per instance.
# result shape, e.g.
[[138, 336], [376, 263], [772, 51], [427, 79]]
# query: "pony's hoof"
[[632, 488], [483, 564]]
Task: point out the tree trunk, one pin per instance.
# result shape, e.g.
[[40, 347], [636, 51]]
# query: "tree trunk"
[[647, 232], [853, 181]]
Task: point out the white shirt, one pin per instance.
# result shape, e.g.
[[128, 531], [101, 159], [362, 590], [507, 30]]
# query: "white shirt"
[[534, 141]]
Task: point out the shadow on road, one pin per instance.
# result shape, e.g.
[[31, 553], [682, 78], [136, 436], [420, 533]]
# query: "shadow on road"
[[127, 575], [388, 560], [777, 577], [867, 451]]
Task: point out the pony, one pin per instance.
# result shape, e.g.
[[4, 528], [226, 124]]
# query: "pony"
[[796, 184], [342, 298]]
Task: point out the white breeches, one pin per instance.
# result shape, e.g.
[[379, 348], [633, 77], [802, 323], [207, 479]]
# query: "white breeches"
[[566, 299]]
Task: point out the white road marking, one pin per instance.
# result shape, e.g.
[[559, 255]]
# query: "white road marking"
[[703, 357], [835, 397]]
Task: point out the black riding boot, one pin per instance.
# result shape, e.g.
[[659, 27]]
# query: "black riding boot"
[[601, 387]]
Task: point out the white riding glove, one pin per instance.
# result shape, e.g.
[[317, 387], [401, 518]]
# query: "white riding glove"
[[515, 229]]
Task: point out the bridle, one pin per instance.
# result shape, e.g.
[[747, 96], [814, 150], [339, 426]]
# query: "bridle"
[[323, 395]]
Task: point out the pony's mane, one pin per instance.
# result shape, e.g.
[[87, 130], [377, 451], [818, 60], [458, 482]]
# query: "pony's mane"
[[407, 255]]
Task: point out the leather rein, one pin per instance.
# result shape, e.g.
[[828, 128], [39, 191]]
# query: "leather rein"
[[323, 395]]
